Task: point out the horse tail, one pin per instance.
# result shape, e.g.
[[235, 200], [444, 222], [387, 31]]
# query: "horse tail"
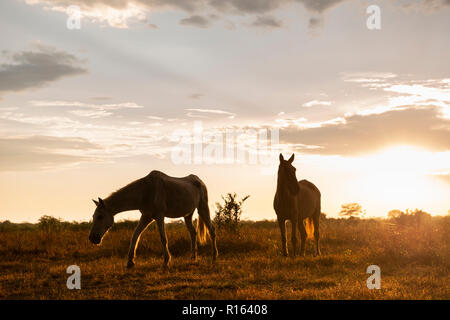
[[203, 213], [309, 226], [203, 232]]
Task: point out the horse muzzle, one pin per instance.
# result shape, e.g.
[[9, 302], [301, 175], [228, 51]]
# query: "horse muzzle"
[[95, 239]]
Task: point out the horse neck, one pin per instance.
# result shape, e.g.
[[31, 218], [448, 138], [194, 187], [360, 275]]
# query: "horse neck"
[[124, 199], [281, 185], [282, 188]]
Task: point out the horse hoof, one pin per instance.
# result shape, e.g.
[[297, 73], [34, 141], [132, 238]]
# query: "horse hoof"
[[166, 264], [130, 265]]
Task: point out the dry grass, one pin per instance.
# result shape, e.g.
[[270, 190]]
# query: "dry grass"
[[414, 263]]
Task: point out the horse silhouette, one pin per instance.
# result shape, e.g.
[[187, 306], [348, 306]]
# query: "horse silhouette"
[[296, 201], [157, 196]]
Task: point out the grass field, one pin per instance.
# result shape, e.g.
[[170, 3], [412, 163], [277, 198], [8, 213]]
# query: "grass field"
[[414, 262]]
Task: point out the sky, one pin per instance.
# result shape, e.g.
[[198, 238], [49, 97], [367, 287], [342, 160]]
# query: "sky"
[[84, 111]]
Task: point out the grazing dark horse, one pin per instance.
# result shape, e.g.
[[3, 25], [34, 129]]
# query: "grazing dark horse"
[[157, 196], [296, 201]]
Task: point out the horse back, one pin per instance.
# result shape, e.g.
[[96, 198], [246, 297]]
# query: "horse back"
[[308, 199], [309, 185], [176, 196]]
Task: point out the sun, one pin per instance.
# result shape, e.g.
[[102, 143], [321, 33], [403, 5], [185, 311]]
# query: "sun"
[[399, 176]]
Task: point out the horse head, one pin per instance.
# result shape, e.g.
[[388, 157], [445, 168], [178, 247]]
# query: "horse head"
[[103, 220], [286, 175]]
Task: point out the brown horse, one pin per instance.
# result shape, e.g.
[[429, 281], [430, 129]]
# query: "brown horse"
[[296, 201], [157, 196]]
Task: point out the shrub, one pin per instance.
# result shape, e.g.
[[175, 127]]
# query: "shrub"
[[229, 214], [49, 223]]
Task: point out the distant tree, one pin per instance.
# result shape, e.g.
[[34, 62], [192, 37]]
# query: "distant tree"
[[229, 213], [5, 225], [420, 217], [416, 217], [393, 214], [352, 210], [49, 223]]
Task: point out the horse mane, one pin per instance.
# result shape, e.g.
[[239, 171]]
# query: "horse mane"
[[122, 196]]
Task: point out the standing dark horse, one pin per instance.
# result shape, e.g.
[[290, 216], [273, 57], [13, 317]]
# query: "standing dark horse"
[[157, 196], [296, 201]]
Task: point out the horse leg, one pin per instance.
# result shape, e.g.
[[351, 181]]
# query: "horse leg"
[[162, 233], [316, 219], [203, 211], [294, 237], [282, 224], [302, 230], [142, 225], [193, 234]]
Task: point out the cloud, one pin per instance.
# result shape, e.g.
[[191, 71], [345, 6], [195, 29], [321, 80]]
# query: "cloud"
[[367, 77], [195, 21], [359, 134], [247, 6], [154, 118], [426, 5], [195, 113], [152, 26], [94, 114], [101, 98], [196, 95], [42, 152], [105, 133], [106, 106], [47, 121], [116, 13], [425, 92], [404, 92], [320, 5], [120, 13], [267, 22], [314, 23], [316, 103], [36, 68], [88, 110]]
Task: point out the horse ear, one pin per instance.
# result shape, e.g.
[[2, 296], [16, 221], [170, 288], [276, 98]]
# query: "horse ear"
[[281, 157], [100, 201], [291, 159], [96, 202]]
